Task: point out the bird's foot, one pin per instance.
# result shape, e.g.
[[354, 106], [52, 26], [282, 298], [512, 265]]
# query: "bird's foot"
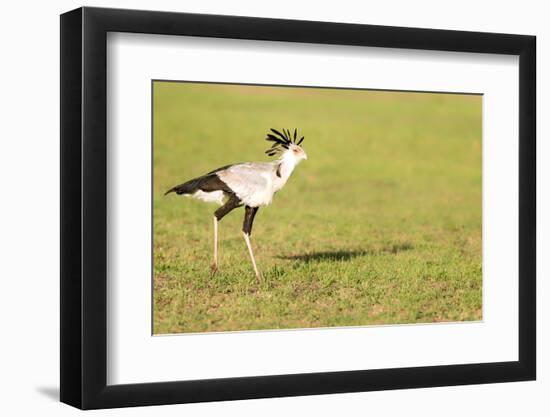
[[213, 269]]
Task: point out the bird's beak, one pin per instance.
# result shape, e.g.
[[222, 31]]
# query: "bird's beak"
[[305, 155]]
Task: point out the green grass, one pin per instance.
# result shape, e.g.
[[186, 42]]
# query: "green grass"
[[381, 225]]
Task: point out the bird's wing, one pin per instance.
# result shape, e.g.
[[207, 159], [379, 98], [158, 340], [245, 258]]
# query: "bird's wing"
[[248, 180]]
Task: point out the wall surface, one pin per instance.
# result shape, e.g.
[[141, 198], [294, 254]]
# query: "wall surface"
[[29, 237]]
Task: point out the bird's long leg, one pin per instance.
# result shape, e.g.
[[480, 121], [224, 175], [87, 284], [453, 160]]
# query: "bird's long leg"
[[247, 240], [250, 212], [219, 214], [215, 263]]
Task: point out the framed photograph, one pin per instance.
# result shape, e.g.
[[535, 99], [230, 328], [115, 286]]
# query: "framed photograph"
[[257, 208]]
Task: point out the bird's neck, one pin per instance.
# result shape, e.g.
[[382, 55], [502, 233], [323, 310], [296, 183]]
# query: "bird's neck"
[[285, 166]]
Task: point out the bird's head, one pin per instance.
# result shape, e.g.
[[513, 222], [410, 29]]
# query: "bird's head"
[[286, 144]]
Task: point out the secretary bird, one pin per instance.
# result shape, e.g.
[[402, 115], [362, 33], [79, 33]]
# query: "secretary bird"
[[248, 184]]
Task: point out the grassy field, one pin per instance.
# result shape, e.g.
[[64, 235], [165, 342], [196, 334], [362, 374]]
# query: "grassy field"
[[381, 225]]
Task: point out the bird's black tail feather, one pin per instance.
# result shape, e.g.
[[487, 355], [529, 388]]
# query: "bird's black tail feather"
[[188, 187], [208, 183]]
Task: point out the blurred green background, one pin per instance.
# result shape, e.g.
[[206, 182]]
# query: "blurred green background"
[[381, 225]]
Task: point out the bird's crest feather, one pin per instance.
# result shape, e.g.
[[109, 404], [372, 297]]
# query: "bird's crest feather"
[[281, 140]]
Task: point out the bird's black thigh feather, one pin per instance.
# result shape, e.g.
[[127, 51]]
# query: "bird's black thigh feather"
[[231, 204], [249, 213]]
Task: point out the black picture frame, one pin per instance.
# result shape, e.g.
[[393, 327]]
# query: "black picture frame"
[[84, 207]]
